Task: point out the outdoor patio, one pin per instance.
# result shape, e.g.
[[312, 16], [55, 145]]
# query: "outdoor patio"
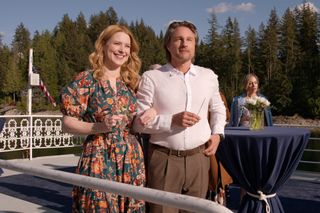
[[25, 193]]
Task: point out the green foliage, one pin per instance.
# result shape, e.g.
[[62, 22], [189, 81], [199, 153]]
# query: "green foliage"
[[4, 66], [308, 65], [151, 51], [12, 81], [20, 46], [230, 72], [83, 44], [44, 60], [22, 105], [209, 53], [314, 106], [99, 22], [283, 53], [250, 54]]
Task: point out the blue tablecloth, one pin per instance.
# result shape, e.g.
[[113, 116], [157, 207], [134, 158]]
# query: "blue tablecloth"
[[262, 161]]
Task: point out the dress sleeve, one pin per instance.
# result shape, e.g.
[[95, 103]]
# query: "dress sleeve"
[[74, 97]]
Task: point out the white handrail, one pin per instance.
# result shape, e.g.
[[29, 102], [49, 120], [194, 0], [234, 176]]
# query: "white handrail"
[[34, 115], [141, 193]]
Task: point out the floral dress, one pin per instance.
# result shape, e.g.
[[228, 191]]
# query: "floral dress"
[[115, 155]]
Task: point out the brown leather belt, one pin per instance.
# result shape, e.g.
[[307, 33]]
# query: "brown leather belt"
[[178, 153]]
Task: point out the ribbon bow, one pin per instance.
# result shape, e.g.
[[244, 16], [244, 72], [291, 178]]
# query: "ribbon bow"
[[263, 197]]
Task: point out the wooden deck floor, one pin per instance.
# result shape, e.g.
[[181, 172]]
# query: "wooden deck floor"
[[25, 193]]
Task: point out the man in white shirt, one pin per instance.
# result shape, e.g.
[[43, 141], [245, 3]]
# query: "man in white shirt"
[[182, 138]]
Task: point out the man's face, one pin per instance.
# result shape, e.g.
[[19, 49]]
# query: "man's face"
[[182, 45]]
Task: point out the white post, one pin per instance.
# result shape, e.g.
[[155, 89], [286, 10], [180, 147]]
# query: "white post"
[[30, 102]]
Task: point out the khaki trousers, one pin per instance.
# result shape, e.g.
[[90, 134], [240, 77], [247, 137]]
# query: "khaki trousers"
[[184, 175]]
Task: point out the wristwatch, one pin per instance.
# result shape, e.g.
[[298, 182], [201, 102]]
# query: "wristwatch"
[[221, 137]]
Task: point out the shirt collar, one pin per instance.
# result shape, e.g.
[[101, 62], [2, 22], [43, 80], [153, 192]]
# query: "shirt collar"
[[173, 71]]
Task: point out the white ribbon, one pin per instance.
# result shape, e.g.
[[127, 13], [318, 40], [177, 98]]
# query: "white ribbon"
[[263, 197]]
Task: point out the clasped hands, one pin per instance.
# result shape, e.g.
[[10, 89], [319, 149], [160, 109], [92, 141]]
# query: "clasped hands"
[[119, 121], [148, 116]]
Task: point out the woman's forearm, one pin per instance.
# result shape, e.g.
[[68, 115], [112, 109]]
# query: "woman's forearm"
[[74, 126]]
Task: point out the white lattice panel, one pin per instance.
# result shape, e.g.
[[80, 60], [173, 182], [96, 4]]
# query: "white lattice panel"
[[46, 133]]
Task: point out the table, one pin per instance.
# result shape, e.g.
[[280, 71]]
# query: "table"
[[261, 162]]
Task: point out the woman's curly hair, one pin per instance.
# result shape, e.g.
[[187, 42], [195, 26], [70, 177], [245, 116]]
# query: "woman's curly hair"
[[129, 70]]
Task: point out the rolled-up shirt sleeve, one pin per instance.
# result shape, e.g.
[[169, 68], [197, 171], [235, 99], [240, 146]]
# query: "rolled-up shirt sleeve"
[[145, 96], [217, 110]]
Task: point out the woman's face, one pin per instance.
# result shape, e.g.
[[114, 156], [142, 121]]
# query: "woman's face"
[[117, 50], [252, 85]]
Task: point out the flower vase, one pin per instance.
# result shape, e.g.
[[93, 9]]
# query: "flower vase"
[[256, 119]]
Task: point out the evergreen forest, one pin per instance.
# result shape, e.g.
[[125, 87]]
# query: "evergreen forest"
[[284, 53]]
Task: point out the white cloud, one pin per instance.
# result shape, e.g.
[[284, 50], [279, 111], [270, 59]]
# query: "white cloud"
[[245, 6], [220, 8], [310, 5], [226, 7]]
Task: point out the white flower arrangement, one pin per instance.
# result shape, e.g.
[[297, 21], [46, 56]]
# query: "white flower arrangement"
[[257, 103], [255, 107]]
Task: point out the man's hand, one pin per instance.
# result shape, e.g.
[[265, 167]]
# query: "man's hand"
[[185, 119], [212, 145], [148, 116]]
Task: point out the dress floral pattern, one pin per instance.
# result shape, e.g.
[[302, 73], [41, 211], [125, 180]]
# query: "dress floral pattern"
[[115, 155]]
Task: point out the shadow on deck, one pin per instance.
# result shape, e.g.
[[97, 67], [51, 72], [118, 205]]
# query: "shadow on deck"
[[298, 194]]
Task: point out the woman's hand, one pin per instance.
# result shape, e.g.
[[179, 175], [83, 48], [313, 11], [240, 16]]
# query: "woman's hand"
[[245, 116], [119, 121], [148, 116]]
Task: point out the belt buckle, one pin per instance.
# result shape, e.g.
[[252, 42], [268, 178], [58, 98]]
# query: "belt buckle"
[[178, 153]]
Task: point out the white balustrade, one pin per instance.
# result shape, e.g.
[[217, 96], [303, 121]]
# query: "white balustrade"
[[46, 133]]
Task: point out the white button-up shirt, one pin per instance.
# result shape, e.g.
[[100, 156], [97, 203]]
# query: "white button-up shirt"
[[170, 91]]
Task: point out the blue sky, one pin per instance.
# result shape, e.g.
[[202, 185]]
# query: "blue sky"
[[45, 15]]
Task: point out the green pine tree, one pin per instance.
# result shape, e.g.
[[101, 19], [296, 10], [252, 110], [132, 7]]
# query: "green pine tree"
[[44, 60]]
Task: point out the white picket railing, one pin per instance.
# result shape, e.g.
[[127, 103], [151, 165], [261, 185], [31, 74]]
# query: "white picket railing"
[[46, 132]]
